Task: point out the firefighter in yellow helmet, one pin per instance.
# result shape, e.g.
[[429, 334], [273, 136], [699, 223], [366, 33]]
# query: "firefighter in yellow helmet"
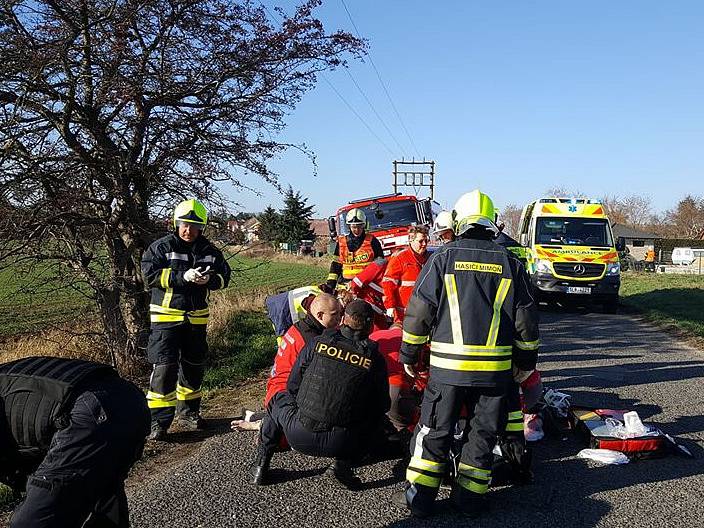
[[473, 297], [353, 251], [181, 269]]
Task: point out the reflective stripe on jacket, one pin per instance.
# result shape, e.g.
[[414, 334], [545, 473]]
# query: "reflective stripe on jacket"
[[355, 261], [173, 299], [473, 296]]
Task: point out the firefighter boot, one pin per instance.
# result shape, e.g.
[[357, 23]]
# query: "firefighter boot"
[[192, 421], [468, 503], [343, 472], [418, 499], [260, 469], [158, 432]]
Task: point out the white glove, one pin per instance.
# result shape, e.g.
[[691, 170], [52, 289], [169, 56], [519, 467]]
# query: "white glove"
[[202, 277], [192, 275], [390, 312], [409, 370]]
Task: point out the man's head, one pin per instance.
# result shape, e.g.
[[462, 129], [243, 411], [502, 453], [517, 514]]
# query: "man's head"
[[442, 227], [418, 239], [327, 310], [190, 219], [359, 316], [356, 220]]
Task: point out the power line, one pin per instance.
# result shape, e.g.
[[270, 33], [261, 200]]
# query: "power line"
[[383, 85], [358, 116], [375, 112]]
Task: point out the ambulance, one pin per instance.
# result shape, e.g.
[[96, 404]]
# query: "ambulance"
[[571, 251]]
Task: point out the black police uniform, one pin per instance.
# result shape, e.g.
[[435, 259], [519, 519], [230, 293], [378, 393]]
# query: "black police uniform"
[[337, 397], [74, 428], [179, 315], [473, 296]]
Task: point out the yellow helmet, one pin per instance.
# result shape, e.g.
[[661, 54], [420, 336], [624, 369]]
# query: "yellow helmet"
[[355, 216], [191, 212], [474, 209]]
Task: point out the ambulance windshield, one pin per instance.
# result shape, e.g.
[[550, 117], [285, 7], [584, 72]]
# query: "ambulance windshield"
[[573, 232]]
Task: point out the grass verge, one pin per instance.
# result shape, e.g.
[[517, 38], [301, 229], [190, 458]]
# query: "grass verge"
[[671, 300]]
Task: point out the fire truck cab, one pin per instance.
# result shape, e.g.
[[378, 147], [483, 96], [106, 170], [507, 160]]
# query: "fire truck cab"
[[388, 218]]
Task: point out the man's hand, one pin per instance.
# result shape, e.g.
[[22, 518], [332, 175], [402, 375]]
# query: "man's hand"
[[204, 277], [197, 276]]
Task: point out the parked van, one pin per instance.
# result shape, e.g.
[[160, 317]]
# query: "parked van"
[[682, 256]]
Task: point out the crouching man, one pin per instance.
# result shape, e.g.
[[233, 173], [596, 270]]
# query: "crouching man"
[[336, 398], [71, 430]]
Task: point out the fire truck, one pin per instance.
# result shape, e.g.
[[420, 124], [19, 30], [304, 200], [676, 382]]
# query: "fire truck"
[[390, 215]]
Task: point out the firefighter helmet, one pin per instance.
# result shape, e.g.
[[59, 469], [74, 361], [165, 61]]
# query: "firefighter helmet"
[[191, 212], [443, 222], [355, 216], [474, 209]]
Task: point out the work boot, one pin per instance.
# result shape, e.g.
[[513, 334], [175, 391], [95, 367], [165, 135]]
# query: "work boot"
[[260, 469], [343, 472], [407, 498], [468, 503], [158, 432], [191, 420]]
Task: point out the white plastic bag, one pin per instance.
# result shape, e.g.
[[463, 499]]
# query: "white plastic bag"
[[603, 456]]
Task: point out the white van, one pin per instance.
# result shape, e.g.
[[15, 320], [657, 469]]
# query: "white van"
[[682, 256]]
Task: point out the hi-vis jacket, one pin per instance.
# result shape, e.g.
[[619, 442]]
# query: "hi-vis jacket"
[[174, 300], [353, 254], [474, 298]]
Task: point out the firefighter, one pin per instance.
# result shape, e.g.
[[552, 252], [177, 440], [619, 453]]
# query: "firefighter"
[[70, 430], [442, 227], [512, 245], [181, 269], [367, 285], [473, 296], [402, 272], [336, 398], [353, 252], [324, 312]]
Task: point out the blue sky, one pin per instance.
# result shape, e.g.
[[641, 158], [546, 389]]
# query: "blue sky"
[[513, 97]]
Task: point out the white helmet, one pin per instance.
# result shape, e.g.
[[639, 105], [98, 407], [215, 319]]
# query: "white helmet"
[[355, 216], [443, 222]]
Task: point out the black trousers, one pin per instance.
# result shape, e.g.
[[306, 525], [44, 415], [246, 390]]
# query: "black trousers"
[[81, 479], [433, 438], [178, 354], [282, 418]]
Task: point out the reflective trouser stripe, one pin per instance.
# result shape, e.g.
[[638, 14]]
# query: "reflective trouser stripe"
[[413, 339], [473, 478], [157, 401], [421, 470], [515, 422], [501, 293], [164, 314], [164, 278], [527, 345], [162, 318], [184, 393], [332, 276], [454, 304]]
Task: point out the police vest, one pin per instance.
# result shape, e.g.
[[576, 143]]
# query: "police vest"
[[333, 382], [355, 261], [37, 395]]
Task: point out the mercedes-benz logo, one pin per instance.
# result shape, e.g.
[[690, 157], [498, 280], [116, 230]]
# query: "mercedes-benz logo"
[[579, 269]]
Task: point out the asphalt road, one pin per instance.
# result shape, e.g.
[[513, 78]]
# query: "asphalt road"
[[612, 361]]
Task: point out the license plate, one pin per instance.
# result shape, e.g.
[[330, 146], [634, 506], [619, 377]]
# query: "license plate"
[[579, 289]]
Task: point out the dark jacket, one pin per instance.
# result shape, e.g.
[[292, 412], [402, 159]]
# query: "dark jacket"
[[174, 300], [474, 298], [347, 388]]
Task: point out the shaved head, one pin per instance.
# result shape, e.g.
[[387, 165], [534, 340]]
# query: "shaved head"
[[327, 310]]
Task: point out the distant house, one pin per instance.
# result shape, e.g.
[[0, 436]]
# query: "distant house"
[[251, 230], [319, 227], [234, 225], [637, 240]]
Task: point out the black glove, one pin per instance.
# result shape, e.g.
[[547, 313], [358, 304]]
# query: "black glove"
[[328, 287]]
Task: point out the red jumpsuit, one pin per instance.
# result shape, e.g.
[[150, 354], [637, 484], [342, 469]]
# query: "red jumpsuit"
[[400, 278], [366, 285]]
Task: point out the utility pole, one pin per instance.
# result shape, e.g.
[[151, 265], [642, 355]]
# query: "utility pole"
[[414, 174]]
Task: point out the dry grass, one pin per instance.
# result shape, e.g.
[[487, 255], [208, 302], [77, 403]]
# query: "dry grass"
[[57, 342]]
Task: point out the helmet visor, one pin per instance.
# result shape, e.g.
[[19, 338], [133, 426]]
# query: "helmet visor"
[[475, 220]]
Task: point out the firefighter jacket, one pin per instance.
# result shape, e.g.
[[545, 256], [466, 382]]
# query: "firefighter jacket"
[[353, 254], [513, 246], [474, 298], [36, 395], [339, 379], [292, 342], [400, 279], [174, 300], [366, 285]]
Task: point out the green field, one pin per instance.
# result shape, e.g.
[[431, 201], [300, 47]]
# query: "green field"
[[666, 299]]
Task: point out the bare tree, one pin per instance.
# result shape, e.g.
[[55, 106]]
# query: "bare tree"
[[113, 110], [633, 210], [686, 219], [563, 192], [510, 216]]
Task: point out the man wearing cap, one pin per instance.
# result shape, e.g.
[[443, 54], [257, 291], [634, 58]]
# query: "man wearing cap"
[[353, 252], [336, 398], [181, 269]]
